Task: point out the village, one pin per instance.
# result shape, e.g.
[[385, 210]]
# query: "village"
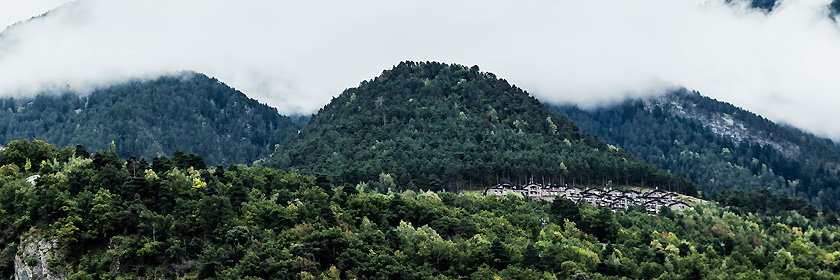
[[615, 199]]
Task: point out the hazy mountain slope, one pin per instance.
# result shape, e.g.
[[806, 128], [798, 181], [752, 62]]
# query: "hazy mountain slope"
[[433, 125], [718, 146], [190, 112], [765, 5]]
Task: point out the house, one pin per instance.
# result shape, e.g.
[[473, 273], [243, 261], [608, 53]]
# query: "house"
[[670, 197], [621, 203], [615, 193], [592, 191], [614, 199], [520, 190], [653, 206], [550, 191], [655, 194], [573, 193], [604, 201], [500, 190], [679, 206], [631, 194], [2, 148], [592, 199], [533, 190]]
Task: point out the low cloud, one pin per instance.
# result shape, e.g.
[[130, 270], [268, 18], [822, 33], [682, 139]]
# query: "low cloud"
[[296, 55]]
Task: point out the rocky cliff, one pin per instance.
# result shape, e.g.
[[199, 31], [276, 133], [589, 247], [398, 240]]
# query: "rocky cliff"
[[34, 257]]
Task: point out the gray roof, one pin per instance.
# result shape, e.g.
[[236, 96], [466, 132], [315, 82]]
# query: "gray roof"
[[655, 201]]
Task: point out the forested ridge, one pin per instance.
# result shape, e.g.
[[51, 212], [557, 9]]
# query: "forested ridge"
[[118, 218], [435, 126], [363, 208], [668, 132], [188, 111]]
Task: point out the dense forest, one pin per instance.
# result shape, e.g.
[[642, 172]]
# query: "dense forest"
[[674, 132], [116, 218], [189, 111], [437, 126]]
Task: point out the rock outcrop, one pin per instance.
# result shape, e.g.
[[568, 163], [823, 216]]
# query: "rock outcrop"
[[33, 259]]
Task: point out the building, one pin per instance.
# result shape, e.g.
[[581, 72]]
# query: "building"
[[679, 206], [621, 203], [654, 205], [614, 198]]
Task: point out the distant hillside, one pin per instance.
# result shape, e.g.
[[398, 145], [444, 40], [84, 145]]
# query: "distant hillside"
[[190, 112], [718, 146], [439, 126]]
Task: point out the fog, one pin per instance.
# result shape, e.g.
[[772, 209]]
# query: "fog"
[[296, 55]]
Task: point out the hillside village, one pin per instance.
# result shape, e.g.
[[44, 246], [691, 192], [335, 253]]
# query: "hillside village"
[[615, 199]]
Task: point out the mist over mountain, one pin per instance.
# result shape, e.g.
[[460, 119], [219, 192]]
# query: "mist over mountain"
[[296, 55], [189, 111], [718, 146], [142, 170]]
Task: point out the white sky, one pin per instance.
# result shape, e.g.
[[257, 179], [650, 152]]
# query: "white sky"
[[13, 11], [296, 55]]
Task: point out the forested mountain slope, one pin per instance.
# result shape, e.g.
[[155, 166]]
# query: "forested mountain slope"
[[108, 217], [719, 146], [438, 126], [190, 111]]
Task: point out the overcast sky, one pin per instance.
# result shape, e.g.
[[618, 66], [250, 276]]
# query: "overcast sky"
[[296, 55]]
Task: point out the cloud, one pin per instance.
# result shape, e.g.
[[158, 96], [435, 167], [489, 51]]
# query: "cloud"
[[296, 55], [14, 11]]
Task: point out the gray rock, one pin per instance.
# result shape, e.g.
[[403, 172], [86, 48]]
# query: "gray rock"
[[31, 179], [33, 258]]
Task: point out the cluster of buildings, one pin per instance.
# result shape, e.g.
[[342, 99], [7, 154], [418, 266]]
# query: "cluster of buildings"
[[615, 199]]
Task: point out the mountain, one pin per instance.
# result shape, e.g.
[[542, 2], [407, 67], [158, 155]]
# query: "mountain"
[[437, 126], [764, 5], [767, 6], [98, 218], [834, 9], [718, 146], [190, 112]]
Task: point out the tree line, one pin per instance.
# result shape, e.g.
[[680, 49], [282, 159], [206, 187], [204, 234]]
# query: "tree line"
[[187, 111], [175, 217], [430, 125]]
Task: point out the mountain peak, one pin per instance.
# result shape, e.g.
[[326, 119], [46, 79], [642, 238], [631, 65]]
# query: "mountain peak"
[[431, 125], [146, 118]]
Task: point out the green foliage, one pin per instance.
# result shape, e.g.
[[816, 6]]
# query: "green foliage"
[[438, 126], [22, 153], [189, 111], [262, 223]]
